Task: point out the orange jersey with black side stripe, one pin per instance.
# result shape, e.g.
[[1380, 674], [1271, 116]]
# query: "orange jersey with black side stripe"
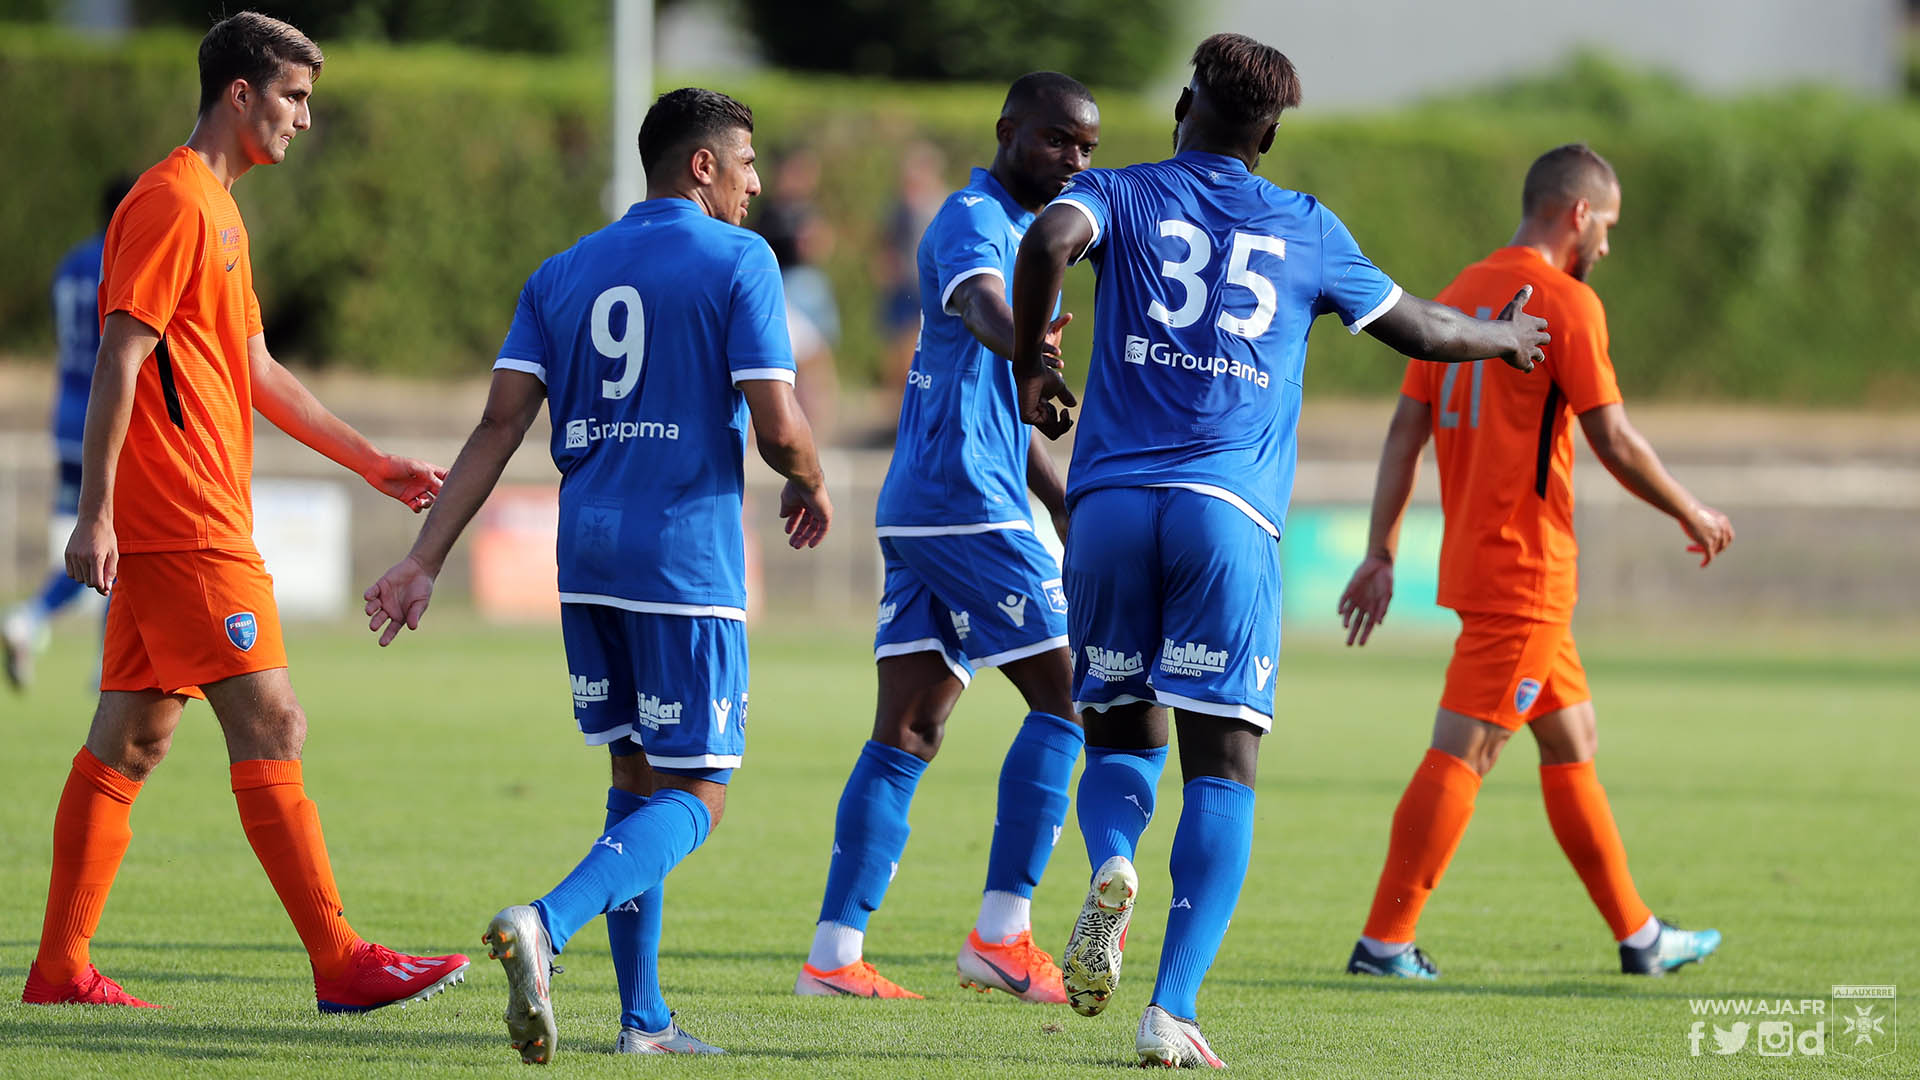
[[176, 259], [1505, 446]]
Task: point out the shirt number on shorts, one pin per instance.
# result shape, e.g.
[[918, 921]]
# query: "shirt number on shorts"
[[1193, 289], [1450, 416], [630, 346]]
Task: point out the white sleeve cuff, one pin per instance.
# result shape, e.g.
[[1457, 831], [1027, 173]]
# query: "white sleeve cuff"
[[1087, 212], [1384, 306], [509, 363], [947, 296], [772, 374]]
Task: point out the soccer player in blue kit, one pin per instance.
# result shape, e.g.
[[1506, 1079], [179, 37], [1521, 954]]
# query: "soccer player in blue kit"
[[76, 329], [652, 342], [1208, 280], [968, 585]]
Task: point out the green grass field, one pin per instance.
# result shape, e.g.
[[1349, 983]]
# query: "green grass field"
[[1764, 786]]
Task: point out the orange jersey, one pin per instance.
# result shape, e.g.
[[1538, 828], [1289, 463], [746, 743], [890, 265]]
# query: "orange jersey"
[[1504, 442], [176, 259]]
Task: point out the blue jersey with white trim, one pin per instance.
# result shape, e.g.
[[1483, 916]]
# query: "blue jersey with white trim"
[[642, 333], [960, 455], [1209, 278], [76, 330]]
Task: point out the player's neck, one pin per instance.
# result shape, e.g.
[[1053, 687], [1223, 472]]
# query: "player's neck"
[[1555, 250], [1003, 175], [1193, 140], [219, 146]]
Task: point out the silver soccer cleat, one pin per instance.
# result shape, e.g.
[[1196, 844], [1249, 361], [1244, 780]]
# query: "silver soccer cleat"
[[516, 939], [673, 1040], [1170, 1042]]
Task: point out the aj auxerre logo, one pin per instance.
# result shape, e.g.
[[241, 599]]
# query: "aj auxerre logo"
[[1109, 666], [1140, 350], [586, 691], [655, 714], [581, 433], [1193, 658]]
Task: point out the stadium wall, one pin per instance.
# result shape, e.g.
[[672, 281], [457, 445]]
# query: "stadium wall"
[[1765, 252]]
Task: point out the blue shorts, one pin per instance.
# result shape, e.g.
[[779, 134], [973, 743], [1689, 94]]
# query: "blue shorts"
[[66, 492], [674, 686], [1175, 599], [978, 599]]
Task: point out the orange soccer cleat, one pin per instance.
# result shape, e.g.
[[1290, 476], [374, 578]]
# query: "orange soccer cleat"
[[380, 977], [857, 979], [1014, 966]]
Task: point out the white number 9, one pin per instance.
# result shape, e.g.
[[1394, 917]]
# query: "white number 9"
[[631, 347]]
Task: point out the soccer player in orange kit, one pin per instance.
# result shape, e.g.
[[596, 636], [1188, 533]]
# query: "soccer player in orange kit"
[[1508, 567], [166, 524]]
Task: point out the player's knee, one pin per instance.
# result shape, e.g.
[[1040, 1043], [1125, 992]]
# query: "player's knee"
[[281, 731], [917, 732]]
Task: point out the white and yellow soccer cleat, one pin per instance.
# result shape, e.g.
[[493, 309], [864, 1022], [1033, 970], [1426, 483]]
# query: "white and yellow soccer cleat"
[[1090, 966]]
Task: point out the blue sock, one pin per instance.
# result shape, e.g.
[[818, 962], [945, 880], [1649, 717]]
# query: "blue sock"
[[1116, 799], [1033, 801], [628, 859], [1210, 852], [869, 833], [57, 593], [633, 932]]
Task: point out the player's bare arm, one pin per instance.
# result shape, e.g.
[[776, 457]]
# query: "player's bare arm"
[[1363, 604], [1046, 483], [93, 552], [1055, 238], [785, 440], [988, 317], [401, 595], [1425, 330], [285, 401], [1632, 461]]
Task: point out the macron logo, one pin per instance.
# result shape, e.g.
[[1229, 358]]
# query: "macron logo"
[[1014, 607], [1136, 351], [1262, 671], [721, 707]]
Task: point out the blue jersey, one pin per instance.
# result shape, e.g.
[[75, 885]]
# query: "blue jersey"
[[1208, 280], [960, 456], [642, 333], [76, 330]]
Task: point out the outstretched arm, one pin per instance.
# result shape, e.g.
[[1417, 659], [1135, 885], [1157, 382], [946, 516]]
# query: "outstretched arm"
[[1053, 240], [1425, 330], [93, 551], [1044, 480], [401, 595], [1632, 461], [291, 407], [786, 444], [1363, 605]]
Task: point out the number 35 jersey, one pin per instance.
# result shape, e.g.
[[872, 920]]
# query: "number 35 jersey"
[[643, 333], [1208, 280]]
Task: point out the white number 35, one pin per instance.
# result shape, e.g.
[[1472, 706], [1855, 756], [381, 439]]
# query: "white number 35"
[[1193, 299]]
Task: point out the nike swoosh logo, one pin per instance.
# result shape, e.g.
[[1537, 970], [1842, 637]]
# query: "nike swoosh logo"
[[847, 992], [1019, 987], [233, 263]]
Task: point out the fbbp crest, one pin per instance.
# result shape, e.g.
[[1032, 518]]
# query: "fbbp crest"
[[1525, 695], [243, 630]]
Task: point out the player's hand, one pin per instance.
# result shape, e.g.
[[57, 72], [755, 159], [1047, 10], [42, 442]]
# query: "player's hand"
[[93, 554], [1043, 399], [1529, 332], [413, 482], [1709, 529], [808, 514], [1363, 604], [398, 599], [1051, 349]]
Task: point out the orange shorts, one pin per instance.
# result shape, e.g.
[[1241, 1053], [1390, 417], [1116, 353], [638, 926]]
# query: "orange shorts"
[[1507, 669], [178, 620]]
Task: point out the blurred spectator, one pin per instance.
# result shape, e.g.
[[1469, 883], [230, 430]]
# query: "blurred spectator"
[[801, 241], [922, 187]]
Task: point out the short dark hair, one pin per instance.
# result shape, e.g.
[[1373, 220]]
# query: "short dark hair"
[[113, 193], [253, 47], [1564, 175], [1035, 87], [1246, 82], [681, 118]]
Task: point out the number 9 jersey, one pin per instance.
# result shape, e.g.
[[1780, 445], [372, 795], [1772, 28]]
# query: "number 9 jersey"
[[642, 333], [1209, 279]]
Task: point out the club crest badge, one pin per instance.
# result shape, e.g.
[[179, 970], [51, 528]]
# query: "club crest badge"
[[1525, 695], [243, 630]]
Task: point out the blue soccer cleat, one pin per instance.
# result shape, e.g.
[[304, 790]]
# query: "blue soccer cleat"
[[1411, 964], [1672, 949]]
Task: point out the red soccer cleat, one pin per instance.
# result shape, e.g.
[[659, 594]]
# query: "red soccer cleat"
[[380, 977], [91, 988]]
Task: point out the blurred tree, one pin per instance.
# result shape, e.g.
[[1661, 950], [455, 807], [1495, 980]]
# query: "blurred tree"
[[536, 26], [1099, 41]]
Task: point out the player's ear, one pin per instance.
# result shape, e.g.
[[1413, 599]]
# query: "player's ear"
[[1582, 212], [239, 92], [1003, 130], [1181, 107], [1266, 141], [703, 165]]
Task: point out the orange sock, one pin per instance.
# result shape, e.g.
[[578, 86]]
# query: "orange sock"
[[1427, 827], [283, 826], [90, 834], [1583, 823]]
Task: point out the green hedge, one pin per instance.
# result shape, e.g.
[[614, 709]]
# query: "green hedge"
[[1766, 250]]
